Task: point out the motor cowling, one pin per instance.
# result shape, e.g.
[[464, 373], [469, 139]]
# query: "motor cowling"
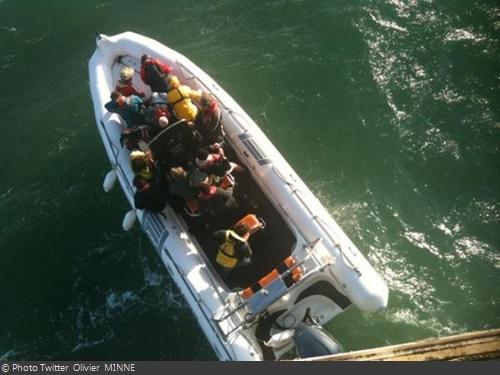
[[314, 341]]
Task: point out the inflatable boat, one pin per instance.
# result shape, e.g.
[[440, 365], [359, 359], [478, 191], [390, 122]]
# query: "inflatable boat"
[[305, 269]]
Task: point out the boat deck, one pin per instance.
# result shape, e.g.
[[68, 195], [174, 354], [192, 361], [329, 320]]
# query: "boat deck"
[[270, 245]]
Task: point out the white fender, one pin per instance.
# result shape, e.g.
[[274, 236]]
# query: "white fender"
[[280, 339], [109, 181], [129, 220]]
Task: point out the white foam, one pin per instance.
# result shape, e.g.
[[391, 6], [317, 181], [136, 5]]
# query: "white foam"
[[120, 300], [152, 278], [448, 96], [403, 8], [442, 227], [467, 247], [419, 240], [440, 143], [8, 354], [388, 24], [9, 29], [7, 192], [461, 34], [410, 317]]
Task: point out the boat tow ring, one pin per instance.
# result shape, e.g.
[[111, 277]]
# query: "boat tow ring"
[[249, 317]]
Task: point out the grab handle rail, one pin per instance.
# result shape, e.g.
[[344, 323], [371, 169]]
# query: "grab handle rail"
[[249, 316], [343, 256], [115, 150], [234, 115], [321, 222], [282, 276], [280, 175], [183, 68]]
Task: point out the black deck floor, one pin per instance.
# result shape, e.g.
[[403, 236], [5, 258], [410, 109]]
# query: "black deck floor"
[[270, 245]]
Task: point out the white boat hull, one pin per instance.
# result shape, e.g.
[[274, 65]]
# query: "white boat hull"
[[346, 269]]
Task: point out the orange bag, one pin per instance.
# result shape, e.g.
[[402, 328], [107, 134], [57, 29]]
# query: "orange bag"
[[252, 222]]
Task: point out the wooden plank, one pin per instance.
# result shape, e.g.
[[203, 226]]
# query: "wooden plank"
[[478, 345]]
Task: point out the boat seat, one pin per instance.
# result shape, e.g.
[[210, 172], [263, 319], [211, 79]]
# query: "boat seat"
[[261, 300], [273, 286]]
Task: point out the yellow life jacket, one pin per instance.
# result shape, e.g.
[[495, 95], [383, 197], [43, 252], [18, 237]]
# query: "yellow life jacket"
[[182, 105], [146, 173], [226, 256]]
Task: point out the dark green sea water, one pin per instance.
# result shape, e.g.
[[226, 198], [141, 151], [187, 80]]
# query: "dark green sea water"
[[389, 110]]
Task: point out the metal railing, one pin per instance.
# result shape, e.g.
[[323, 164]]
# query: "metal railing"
[[250, 316], [319, 220]]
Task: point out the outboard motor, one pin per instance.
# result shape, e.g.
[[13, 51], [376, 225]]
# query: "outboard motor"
[[311, 340]]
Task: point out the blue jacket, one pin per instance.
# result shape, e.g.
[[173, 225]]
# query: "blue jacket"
[[130, 113]]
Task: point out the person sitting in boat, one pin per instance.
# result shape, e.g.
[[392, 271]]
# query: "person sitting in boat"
[[151, 192], [181, 99], [142, 164], [149, 195], [215, 200], [154, 73], [209, 122], [129, 108], [234, 250], [215, 162], [124, 84], [212, 162], [157, 113], [181, 189]]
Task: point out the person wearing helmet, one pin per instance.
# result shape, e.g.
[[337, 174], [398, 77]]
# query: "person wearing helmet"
[[180, 98], [124, 84], [154, 73]]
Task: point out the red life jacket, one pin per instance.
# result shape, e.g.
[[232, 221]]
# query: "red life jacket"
[[162, 67], [128, 90], [211, 160], [162, 111], [210, 112], [209, 195]]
